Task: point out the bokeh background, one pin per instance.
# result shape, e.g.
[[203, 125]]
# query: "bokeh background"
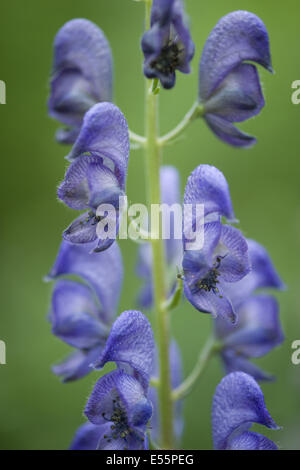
[[36, 410]]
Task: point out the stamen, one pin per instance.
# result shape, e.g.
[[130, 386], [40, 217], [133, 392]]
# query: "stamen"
[[210, 281], [168, 59]]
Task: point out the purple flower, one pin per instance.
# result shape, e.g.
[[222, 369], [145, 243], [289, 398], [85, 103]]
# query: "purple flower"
[[176, 380], [229, 87], [237, 404], [119, 405], [224, 256], [120, 409], [97, 174], [167, 45], [258, 330], [82, 75], [170, 194], [81, 313], [131, 346]]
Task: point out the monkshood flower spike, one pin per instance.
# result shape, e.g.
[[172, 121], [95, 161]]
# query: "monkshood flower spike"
[[82, 312], [224, 257], [197, 252], [258, 330], [237, 404], [97, 174], [82, 75], [229, 86], [167, 45]]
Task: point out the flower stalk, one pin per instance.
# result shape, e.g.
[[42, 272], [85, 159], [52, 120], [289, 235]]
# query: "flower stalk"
[[210, 348], [153, 162]]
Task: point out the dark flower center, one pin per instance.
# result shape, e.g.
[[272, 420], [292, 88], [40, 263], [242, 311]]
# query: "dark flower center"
[[120, 427], [168, 59], [91, 217], [210, 281]]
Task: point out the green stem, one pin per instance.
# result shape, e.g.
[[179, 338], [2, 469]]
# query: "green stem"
[[139, 139], [153, 162], [210, 348], [195, 112]]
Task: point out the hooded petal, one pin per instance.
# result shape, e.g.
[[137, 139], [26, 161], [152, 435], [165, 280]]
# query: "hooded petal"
[[238, 402], [239, 36], [87, 437], [104, 133], [77, 364], [74, 315], [207, 185], [239, 97], [120, 395], [102, 271], [82, 71], [227, 132], [130, 343], [251, 441]]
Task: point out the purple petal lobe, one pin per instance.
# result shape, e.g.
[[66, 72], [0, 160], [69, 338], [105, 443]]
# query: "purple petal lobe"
[[251, 441], [238, 402], [262, 275], [88, 183], [207, 185], [235, 262], [239, 36], [102, 271], [81, 231], [75, 317], [227, 132], [77, 364], [87, 437], [121, 394], [239, 97], [130, 343], [235, 362], [258, 330], [105, 133], [197, 263], [82, 71], [210, 302]]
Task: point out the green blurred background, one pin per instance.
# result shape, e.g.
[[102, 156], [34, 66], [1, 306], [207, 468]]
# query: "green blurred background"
[[36, 410]]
